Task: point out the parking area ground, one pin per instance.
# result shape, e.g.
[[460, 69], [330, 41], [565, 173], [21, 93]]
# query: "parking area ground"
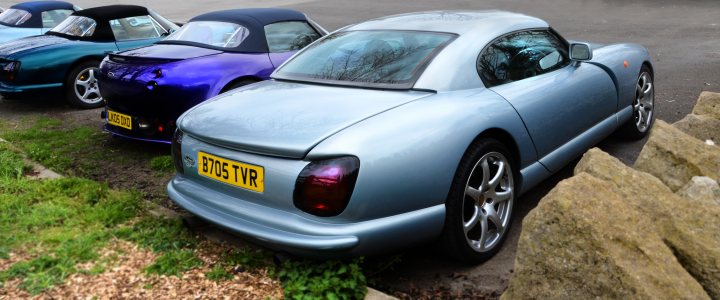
[[683, 37]]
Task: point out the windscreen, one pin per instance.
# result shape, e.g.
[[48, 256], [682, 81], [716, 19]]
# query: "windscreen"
[[392, 59], [76, 26], [213, 33], [14, 17]]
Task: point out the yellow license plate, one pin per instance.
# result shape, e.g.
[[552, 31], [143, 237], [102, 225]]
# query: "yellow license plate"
[[232, 172], [118, 119]]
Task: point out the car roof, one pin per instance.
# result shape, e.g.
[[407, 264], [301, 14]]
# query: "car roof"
[[102, 16], [453, 21], [35, 8], [454, 68], [254, 19]]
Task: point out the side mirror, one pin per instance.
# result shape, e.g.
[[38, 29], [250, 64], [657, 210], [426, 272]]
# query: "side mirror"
[[580, 51]]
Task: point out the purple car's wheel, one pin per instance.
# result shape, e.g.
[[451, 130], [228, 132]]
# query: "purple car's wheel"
[[82, 86], [643, 105], [479, 207]]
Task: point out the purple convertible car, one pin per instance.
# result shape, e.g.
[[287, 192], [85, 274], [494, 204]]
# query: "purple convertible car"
[[147, 89]]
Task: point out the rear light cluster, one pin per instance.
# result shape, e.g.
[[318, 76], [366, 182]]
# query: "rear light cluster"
[[177, 151], [9, 71], [324, 187]]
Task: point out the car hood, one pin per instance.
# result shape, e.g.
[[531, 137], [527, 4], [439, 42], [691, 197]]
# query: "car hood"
[[286, 119], [166, 52], [30, 43]]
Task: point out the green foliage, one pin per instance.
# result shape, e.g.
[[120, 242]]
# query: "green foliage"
[[59, 223], [174, 262], [307, 279], [218, 273], [11, 164], [162, 164], [159, 234]]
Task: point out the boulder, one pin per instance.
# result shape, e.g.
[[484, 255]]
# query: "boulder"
[[585, 240], [702, 127], [690, 227], [702, 189], [675, 157], [708, 104]]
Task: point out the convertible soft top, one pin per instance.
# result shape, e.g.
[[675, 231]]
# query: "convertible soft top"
[[104, 14], [254, 19], [36, 8]]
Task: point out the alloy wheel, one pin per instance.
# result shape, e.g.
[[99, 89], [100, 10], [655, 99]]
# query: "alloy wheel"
[[86, 86], [644, 102], [488, 201]]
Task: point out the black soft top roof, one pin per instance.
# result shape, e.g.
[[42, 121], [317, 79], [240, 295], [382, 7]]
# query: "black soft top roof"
[[254, 19], [36, 8], [103, 15]]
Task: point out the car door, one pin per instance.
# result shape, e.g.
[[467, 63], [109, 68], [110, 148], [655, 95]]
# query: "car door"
[[558, 100]]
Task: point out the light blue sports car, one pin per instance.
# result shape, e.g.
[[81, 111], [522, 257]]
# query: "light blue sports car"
[[405, 129]]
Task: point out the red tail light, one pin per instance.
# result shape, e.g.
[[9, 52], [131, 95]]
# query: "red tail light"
[[177, 151], [10, 70], [324, 187]]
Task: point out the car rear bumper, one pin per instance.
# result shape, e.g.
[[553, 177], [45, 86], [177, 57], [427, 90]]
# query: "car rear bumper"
[[304, 236]]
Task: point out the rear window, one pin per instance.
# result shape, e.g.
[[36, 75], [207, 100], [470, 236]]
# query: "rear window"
[[76, 26], [14, 17], [388, 59], [212, 33], [52, 18], [289, 36], [136, 28]]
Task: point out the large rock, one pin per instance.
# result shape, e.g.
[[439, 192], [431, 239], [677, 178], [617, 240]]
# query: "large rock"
[[584, 241], [708, 104], [675, 157], [690, 227], [702, 127], [702, 189]]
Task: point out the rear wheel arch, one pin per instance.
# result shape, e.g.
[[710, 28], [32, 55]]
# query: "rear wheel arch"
[[506, 139], [81, 61], [240, 81], [649, 66]]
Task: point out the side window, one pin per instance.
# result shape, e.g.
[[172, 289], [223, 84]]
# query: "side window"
[[52, 18], [289, 36], [521, 55], [136, 28]]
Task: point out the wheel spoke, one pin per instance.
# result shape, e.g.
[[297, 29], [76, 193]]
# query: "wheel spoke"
[[493, 217], [643, 116], [498, 175], [473, 193], [483, 231], [485, 174], [470, 224], [86, 94], [502, 196]]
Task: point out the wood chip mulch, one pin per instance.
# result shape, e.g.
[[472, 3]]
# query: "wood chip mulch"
[[124, 278]]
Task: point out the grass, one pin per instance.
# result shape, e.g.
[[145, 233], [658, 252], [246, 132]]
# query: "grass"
[[75, 150], [54, 225], [162, 164], [59, 224]]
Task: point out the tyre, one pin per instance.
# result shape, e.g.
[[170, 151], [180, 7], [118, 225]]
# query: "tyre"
[[81, 86], [480, 203], [643, 105], [237, 84]]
